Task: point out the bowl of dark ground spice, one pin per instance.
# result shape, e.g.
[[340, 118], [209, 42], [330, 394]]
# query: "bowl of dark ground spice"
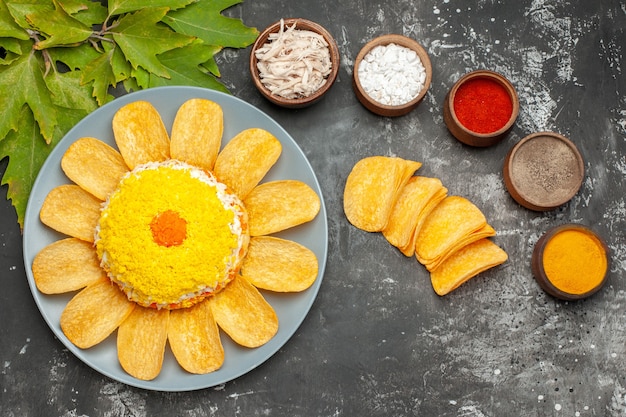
[[481, 108], [543, 171]]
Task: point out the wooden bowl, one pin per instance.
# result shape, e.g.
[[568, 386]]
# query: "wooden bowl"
[[300, 102], [543, 171], [385, 109], [466, 135], [586, 285]]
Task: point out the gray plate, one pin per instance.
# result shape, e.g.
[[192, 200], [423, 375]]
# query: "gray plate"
[[290, 308]]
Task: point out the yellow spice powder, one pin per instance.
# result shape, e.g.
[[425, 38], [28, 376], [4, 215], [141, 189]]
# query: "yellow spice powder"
[[165, 274], [574, 261]]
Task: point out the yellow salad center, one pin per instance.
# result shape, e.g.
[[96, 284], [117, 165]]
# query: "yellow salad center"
[[169, 233]]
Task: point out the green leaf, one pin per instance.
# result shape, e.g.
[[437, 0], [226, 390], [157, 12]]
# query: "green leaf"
[[25, 72], [8, 27], [100, 72], [85, 11], [75, 57], [204, 20], [21, 9], [141, 39], [68, 91], [117, 7], [183, 64], [60, 28], [12, 50]]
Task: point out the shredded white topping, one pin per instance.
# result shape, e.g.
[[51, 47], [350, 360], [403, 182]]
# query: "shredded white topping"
[[294, 63]]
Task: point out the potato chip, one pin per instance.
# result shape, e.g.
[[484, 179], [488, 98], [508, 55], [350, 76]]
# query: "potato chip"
[[94, 166], [242, 312], [279, 205], [418, 195], [451, 221], [465, 264], [372, 188], [94, 313], [195, 339], [71, 210], [484, 232], [197, 133], [140, 134], [279, 265], [66, 265], [141, 341], [246, 159]]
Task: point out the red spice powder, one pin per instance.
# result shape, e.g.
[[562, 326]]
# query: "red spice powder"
[[482, 105], [168, 229]]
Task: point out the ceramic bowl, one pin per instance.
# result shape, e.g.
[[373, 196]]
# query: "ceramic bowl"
[[543, 171], [464, 134], [552, 288], [302, 24], [384, 109]]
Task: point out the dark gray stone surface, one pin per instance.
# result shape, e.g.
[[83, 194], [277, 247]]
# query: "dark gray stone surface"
[[378, 341]]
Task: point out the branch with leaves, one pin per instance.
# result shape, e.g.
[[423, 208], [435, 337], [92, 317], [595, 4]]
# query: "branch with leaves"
[[59, 60]]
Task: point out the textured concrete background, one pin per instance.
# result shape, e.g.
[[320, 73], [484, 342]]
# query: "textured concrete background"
[[378, 341]]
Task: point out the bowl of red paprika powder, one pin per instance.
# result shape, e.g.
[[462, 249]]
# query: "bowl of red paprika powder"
[[481, 108], [570, 262]]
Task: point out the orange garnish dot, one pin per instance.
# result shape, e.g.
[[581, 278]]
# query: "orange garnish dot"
[[168, 229]]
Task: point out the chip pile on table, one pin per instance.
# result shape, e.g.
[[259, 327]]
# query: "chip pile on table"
[[448, 234]]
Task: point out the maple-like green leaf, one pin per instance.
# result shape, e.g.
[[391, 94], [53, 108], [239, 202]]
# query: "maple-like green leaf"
[[21, 9], [76, 57], [27, 73], [68, 91], [85, 11], [117, 7], [12, 49], [100, 72], [58, 27], [141, 39], [8, 27], [183, 65], [205, 21]]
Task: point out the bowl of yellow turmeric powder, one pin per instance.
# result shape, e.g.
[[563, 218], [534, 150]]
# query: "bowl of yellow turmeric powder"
[[570, 262]]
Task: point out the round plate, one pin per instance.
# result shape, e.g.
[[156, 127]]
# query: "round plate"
[[291, 308]]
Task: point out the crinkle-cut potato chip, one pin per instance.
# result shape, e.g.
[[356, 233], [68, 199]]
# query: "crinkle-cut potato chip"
[[94, 313], [140, 134], [416, 197], [195, 340], [66, 265], [372, 188], [197, 133], [246, 159], [279, 265], [141, 340], [95, 166], [71, 210], [242, 312], [465, 264], [278, 205], [451, 221], [484, 232]]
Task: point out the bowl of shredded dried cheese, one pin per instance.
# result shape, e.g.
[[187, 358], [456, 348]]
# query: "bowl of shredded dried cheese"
[[294, 62], [392, 74]]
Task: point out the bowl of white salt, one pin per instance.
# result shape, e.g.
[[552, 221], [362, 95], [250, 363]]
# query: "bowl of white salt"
[[294, 62], [392, 74]]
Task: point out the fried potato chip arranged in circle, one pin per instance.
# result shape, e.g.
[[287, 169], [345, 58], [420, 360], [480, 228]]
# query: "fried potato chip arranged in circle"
[[195, 340], [417, 198], [372, 188], [66, 265], [94, 313], [246, 159], [465, 264], [140, 134], [197, 133], [452, 220], [141, 340], [95, 166], [71, 210], [279, 205], [242, 312], [279, 265]]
